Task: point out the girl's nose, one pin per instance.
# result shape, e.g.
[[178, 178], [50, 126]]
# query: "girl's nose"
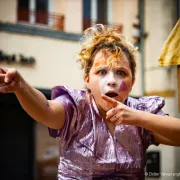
[[111, 80], [111, 84]]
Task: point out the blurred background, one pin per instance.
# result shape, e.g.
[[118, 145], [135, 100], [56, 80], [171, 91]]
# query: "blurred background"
[[40, 39]]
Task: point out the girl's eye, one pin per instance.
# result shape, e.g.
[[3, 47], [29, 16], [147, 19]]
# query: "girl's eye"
[[121, 73], [102, 72]]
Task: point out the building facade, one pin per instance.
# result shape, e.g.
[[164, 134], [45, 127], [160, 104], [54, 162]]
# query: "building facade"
[[40, 39]]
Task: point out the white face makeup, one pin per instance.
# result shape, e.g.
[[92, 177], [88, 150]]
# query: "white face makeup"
[[110, 81], [109, 76]]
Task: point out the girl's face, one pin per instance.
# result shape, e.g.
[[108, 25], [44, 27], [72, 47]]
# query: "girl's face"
[[115, 81]]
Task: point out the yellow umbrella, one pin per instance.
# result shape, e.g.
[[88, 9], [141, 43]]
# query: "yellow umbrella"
[[170, 54]]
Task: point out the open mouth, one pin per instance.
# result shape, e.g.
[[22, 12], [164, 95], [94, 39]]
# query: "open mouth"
[[111, 94]]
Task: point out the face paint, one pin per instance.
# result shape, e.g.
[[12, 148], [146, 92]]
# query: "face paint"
[[111, 63], [100, 64], [123, 86], [102, 72], [110, 82], [102, 85]]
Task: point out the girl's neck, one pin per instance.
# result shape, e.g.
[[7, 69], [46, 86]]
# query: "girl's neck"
[[102, 112]]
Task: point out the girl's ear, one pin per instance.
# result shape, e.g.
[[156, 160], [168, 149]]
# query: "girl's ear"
[[86, 79], [133, 80]]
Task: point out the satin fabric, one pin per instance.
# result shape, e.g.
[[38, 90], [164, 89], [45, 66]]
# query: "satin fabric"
[[87, 148]]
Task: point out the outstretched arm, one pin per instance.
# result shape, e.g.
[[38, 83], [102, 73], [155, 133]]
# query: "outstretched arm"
[[166, 129], [49, 113]]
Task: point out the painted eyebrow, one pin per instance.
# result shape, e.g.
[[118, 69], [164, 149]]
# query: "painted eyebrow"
[[121, 68], [107, 67], [101, 67]]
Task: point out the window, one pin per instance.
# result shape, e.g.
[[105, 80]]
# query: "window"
[[86, 14], [23, 14], [33, 11], [98, 12], [102, 12], [94, 11], [42, 11], [39, 12]]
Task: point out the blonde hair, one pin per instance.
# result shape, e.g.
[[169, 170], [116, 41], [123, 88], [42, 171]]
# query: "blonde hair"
[[103, 37]]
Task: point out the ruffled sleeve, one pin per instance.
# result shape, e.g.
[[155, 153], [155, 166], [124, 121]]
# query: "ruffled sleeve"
[[152, 104], [70, 99]]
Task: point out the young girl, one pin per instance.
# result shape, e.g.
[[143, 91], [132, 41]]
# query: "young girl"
[[103, 132]]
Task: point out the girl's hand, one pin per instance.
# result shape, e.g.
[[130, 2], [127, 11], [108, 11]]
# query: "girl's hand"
[[9, 80], [120, 113]]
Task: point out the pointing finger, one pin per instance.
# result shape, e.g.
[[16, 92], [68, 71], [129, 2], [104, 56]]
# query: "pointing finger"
[[109, 100]]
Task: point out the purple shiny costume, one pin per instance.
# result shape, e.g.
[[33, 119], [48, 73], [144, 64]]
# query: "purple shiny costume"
[[87, 148]]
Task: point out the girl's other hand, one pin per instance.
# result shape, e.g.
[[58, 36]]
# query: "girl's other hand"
[[120, 113], [9, 80]]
